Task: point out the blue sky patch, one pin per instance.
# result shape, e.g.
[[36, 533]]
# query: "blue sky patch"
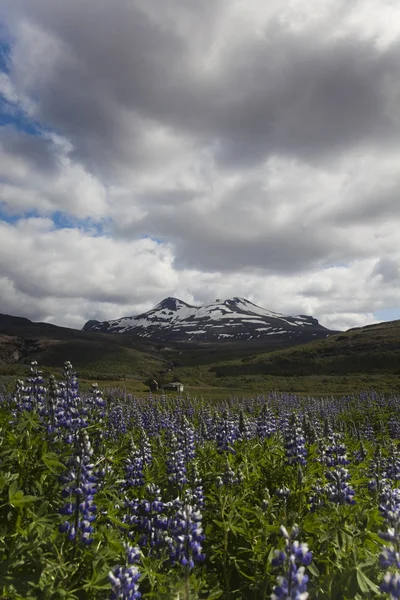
[[388, 314]]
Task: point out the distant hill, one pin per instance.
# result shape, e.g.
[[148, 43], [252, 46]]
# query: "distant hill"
[[22, 341], [235, 319], [371, 349], [345, 361]]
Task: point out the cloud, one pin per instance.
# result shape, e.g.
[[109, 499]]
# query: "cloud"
[[222, 148], [388, 270], [37, 174]]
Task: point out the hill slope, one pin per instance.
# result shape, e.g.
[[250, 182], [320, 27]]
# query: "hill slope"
[[22, 341], [371, 349]]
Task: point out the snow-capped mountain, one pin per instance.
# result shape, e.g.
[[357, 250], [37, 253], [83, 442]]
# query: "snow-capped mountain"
[[232, 319]]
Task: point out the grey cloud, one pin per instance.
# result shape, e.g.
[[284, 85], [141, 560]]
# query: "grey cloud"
[[296, 94], [376, 205], [388, 269], [304, 97], [317, 290], [211, 246], [36, 150]]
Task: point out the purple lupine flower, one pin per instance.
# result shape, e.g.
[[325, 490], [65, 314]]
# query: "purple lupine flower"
[[245, 432], [391, 585], [148, 517], [134, 474], [394, 428], [186, 440], [294, 558], [145, 447], [229, 477], [338, 489], [378, 471], [79, 490], [196, 489], [206, 429], [317, 498], [132, 554], [389, 506], [227, 432], [334, 451], [117, 422], [393, 463], [295, 447], [70, 414], [266, 423], [30, 394], [186, 537], [176, 466], [124, 581], [390, 557]]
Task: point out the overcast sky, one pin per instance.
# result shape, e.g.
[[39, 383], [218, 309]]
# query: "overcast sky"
[[200, 149]]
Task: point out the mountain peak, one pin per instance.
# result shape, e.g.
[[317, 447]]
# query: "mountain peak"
[[170, 303], [233, 319]]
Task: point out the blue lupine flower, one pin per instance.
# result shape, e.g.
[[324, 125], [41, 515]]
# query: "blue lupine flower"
[[245, 429], [148, 517], [390, 557], [124, 581], [389, 506], [229, 477], [79, 490], [333, 450], [176, 465], [145, 447], [227, 432], [266, 423], [295, 589], [186, 440], [338, 489], [134, 467], [294, 558], [186, 537], [295, 447], [30, 394], [391, 585]]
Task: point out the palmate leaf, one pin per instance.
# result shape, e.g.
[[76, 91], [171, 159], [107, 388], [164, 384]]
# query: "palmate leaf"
[[98, 581], [365, 584], [52, 462], [16, 497]]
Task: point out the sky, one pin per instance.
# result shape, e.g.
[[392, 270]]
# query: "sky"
[[200, 150]]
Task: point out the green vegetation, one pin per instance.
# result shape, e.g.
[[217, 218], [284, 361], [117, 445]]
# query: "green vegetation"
[[114, 497], [363, 358]]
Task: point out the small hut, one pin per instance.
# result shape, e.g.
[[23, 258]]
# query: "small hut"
[[153, 385], [176, 386]]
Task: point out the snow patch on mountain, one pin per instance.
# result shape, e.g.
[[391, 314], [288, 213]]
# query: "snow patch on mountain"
[[235, 318]]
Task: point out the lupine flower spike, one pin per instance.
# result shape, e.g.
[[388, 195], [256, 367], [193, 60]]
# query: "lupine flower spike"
[[292, 585]]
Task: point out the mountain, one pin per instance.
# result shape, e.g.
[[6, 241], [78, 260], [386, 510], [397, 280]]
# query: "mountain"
[[234, 319]]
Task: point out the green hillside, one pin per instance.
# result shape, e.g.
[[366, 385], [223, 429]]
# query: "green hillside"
[[93, 355], [361, 358], [371, 349]]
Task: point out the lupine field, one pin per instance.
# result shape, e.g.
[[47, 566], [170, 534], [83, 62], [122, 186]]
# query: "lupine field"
[[113, 496]]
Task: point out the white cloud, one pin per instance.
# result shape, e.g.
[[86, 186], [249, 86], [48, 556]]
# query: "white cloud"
[[211, 149]]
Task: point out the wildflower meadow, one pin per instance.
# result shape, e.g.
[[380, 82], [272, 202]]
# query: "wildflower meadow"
[[105, 495]]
